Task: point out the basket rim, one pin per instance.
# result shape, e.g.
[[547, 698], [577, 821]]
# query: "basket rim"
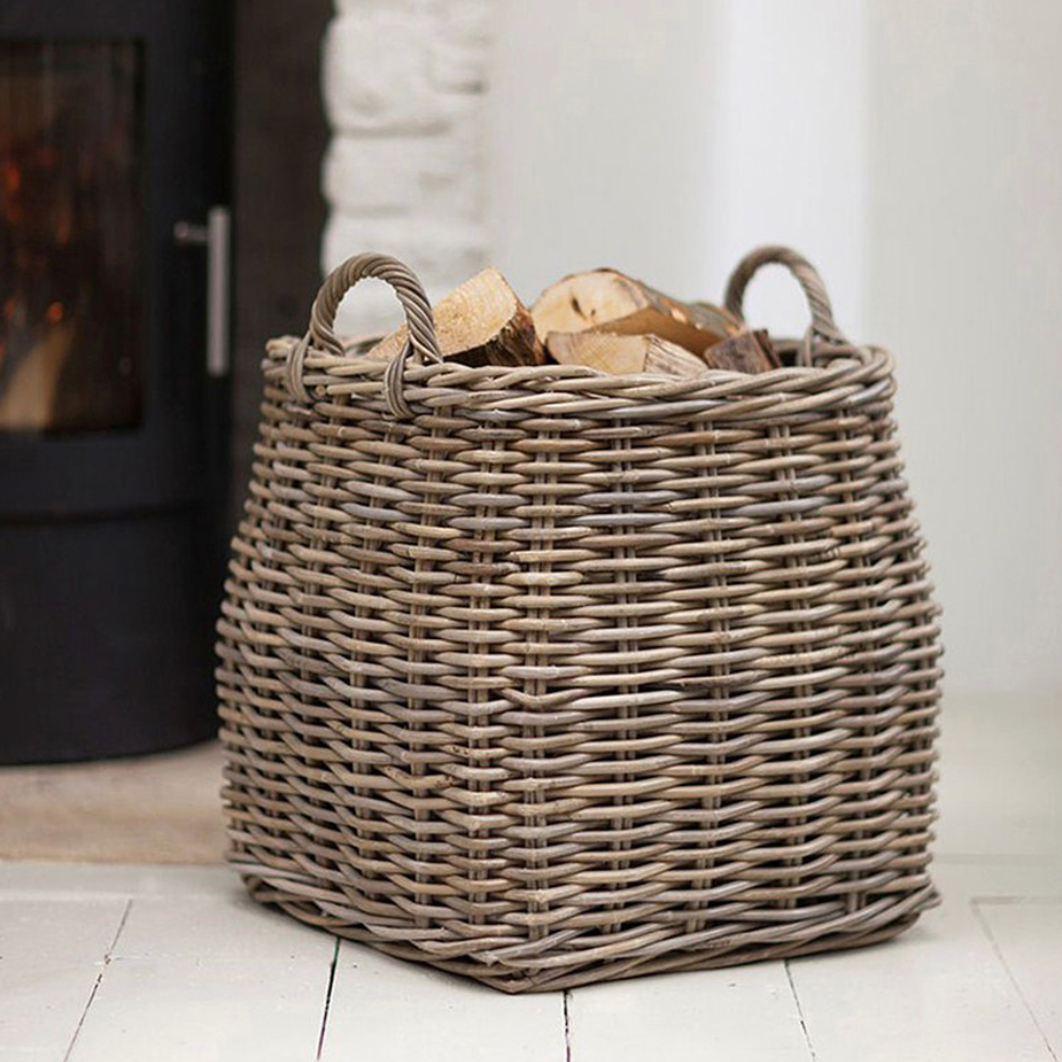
[[850, 372]]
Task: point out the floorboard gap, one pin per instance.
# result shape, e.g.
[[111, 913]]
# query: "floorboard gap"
[[99, 978], [987, 930], [800, 1011], [328, 998], [567, 1026]]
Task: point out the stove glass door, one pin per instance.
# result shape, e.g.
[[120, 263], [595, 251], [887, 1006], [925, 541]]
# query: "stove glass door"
[[71, 239]]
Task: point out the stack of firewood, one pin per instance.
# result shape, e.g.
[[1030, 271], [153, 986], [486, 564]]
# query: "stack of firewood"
[[602, 319]]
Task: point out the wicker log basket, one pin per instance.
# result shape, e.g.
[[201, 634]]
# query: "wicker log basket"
[[547, 677]]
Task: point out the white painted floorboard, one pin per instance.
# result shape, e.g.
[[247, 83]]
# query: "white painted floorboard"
[[208, 978], [386, 1010], [743, 1014], [1028, 937], [51, 956], [183, 1010], [939, 992], [115, 880]]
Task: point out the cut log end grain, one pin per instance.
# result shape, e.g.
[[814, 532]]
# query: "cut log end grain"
[[482, 322], [606, 300], [621, 354]]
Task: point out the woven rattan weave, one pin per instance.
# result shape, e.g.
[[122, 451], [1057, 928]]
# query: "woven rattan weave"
[[547, 677]]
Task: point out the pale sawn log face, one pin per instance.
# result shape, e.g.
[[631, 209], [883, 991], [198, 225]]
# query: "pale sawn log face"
[[606, 300], [481, 322], [622, 354]]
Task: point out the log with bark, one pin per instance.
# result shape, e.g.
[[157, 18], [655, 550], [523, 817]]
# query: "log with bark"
[[482, 322], [748, 351], [605, 300]]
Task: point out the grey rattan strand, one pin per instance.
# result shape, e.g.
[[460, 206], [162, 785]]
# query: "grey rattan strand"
[[548, 677]]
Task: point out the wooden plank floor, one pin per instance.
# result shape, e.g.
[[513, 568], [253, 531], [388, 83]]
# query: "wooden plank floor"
[[99, 964]]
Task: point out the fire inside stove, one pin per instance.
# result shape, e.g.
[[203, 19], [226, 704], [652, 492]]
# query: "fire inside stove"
[[71, 235]]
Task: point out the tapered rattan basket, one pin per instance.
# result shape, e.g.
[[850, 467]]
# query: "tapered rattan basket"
[[548, 677]]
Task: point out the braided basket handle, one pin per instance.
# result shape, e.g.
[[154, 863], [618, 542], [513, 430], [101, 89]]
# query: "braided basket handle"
[[822, 322], [322, 336]]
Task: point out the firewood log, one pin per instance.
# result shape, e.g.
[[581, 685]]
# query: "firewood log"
[[748, 351], [619, 354], [482, 322], [30, 398], [605, 300]]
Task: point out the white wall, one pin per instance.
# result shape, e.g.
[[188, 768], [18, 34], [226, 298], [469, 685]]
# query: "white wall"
[[965, 283], [669, 139], [788, 162], [599, 140], [912, 149]]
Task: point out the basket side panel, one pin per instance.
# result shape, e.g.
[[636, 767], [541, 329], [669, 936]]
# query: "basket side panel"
[[543, 691]]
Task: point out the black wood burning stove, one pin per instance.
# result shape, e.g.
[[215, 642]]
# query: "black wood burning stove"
[[114, 132]]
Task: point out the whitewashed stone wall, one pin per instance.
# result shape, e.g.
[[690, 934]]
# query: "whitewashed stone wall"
[[404, 84]]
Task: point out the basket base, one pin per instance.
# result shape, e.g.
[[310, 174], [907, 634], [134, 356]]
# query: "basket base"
[[543, 971]]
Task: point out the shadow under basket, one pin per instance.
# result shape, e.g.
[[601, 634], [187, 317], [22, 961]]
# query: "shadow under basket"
[[547, 677]]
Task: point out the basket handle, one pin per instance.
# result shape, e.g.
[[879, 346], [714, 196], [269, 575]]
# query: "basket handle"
[[822, 322], [321, 334]]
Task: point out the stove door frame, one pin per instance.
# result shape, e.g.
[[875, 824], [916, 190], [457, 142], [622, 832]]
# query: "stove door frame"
[[112, 543]]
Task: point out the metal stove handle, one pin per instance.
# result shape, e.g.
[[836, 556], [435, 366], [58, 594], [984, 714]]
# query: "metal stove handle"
[[215, 236]]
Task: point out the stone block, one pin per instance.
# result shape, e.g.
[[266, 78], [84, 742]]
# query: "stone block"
[[376, 73], [460, 51], [439, 174]]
